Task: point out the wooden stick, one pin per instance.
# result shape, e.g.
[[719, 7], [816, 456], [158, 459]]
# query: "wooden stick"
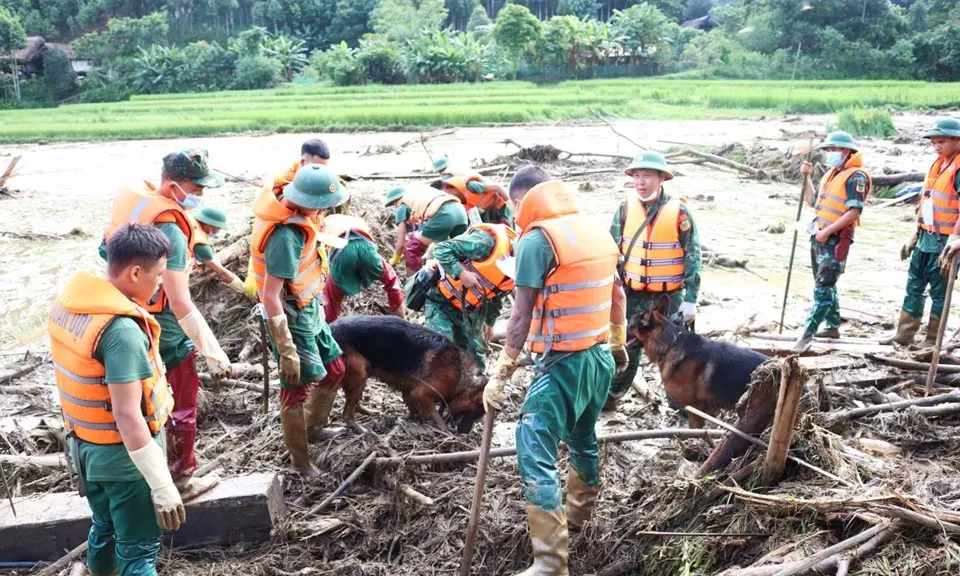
[[843, 546], [793, 246], [936, 411], [763, 444], [617, 132], [466, 560], [781, 434], [911, 365], [6, 486], [410, 492], [346, 484], [37, 461], [473, 455], [264, 356], [943, 324], [844, 415], [62, 563], [725, 162], [705, 534], [20, 372], [784, 338]]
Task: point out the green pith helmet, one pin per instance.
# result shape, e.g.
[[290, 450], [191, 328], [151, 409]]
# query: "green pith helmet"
[[838, 139], [191, 164], [315, 187], [650, 161], [944, 128], [211, 216], [441, 163], [394, 195]]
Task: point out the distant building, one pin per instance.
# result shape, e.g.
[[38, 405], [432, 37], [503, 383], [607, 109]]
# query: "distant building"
[[30, 58], [705, 23]]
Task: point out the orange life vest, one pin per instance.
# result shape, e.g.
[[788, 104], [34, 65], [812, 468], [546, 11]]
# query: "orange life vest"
[[346, 226], [656, 262], [493, 282], [78, 318], [484, 201], [424, 202], [285, 177], [832, 199], [938, 188], [572, 310], [141, 203], [270, 213]]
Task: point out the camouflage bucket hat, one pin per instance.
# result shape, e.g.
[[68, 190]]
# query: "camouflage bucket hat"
[[191, 164]]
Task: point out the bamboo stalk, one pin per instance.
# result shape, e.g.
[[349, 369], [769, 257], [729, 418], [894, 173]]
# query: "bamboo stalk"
[[781, 434], [853, 413]]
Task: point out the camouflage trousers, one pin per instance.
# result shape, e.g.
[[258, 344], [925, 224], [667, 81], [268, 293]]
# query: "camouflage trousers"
[[447, 320], [924, 271], [826, 271]]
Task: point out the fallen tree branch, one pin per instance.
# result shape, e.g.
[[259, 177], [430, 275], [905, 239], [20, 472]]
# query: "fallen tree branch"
[[43, 461], [5, 378], [887, 180], [473, 455], [705, 534], [617, 132], [786, 338], [206, 379], [345, 484], [910, 365], [62, 563], [726, 162], [836, 417], [843, 546]]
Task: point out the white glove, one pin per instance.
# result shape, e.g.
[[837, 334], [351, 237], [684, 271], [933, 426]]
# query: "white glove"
[[493, 394], [689, 311], [238, 286], [196, 328], [152, 463]]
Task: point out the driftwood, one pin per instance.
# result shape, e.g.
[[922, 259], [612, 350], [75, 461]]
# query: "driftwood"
[[781, 435], [20, 372], [206, 379], [837, 417], [471, 456], [62, 563], [894, 179], [10, 171], [786, 338], [910, 365], [726, 162], [43, 461], [345, 484]]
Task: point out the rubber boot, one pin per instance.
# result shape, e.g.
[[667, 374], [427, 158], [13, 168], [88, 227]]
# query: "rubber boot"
[[581, 498], [317, 414], [829, 333], [191, 487], [550, 539], [933, 328], [907, 328], [295, 437], [803, 344]]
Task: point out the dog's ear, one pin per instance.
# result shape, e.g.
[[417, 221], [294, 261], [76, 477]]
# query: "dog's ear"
[[663, 305]]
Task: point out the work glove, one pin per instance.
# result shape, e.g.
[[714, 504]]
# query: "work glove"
[[238, 286], [907, 249], [689, 311], [196, 328], [289, 360], [948, 254], [493, 392], [618, 346], [401, 312], [152, 464], [396, 258]]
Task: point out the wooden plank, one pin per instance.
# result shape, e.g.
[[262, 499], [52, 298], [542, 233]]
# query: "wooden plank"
[[833, 362], [863, 377], [240, 509]]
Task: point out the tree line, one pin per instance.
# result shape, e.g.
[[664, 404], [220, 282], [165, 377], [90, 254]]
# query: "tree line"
[[161, 46]]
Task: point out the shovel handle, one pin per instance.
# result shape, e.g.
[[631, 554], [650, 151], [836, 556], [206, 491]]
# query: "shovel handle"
[[466, 560]]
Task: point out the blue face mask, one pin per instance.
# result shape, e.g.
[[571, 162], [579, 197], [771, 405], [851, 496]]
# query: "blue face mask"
[[834, 159], [190, 201]]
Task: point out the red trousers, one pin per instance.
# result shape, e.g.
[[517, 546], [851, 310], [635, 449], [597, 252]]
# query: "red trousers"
[[413, 251], [298, 395], [182, 425]]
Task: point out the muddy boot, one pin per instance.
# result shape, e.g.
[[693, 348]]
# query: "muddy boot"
[[190, 487], [803, 344], [907, 328], [317, 413], [581, 498], [295, 437], [933, 327], [829, 333], [550, 539]]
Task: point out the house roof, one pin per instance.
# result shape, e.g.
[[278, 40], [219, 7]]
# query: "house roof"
[[35, 46]]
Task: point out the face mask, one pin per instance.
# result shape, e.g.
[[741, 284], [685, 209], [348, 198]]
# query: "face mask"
[[190, 201], [650, 197], [834, 159]]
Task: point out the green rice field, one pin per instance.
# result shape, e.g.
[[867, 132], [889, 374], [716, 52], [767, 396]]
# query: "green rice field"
[[320, 107]]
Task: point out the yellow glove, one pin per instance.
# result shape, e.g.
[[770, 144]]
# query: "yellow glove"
[[618, 341], [250, 284], [396, 258], [152, 464]]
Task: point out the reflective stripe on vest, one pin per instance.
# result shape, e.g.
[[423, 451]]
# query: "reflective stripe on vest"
[[832, 196], [493, 282], [655, 263], [78, 317], [424, 202], [938, 189], [270, 213]]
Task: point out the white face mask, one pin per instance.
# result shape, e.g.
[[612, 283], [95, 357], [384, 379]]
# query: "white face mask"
[[834, 159], [190, 201], [650, 197]]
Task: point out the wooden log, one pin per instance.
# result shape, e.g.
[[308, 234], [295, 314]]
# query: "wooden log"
[[887, 180], [725, 162], [11, 376], [46, 461], [786, 338], [206, 379], [832, 418], [910, 365], [409, 491], [240, 509], [473, 455], [781, 435], [810, 562]]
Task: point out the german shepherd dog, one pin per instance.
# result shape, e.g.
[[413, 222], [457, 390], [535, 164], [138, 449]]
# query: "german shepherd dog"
[[708, 375], [424, 366]]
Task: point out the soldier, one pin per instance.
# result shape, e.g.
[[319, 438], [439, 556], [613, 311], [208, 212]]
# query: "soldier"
[[487, 201], [660, 250], [937, 224], [210, 221], [567, 303], [437, 216], [838, 205]]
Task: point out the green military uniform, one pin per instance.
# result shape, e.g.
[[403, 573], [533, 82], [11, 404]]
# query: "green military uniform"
[[826, 268], [499, 216], [356, 266], [563, 401], [440, 313], [925, 271], [124, 536], [449, 220], [638, 301], [174, 343], [311, 334]]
